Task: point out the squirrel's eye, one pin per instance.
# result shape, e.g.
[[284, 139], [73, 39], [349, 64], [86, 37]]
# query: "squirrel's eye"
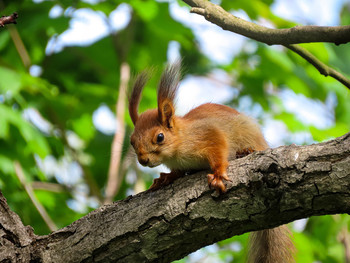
[[160, 137]]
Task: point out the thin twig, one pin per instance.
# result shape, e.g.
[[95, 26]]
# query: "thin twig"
[[29, 189], [21, 49], [287, 37], [4, 20], [114, 177], [319, 65], [52, 187], [345, 240]]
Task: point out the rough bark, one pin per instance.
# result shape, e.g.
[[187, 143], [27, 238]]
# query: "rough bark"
[[268, 189], [15, 238]]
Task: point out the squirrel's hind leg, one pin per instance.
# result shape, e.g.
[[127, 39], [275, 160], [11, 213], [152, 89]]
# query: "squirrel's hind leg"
[[165, 179]]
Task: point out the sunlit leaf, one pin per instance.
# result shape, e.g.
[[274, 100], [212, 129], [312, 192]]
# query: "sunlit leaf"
[[84, 127], [145, 9]]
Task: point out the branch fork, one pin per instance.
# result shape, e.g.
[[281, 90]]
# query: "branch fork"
[[288, 37]]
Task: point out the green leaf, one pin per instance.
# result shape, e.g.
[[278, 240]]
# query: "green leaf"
[[6, 165], [337, 130], [146, 9], [4, 127], [279, 58], [46, 199], [291, 121], [84, 127], [35, 141], [10, 83], [4, 39], [304, 248]]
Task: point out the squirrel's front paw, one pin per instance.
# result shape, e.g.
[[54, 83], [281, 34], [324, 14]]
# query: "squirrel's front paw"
[[216, 182]]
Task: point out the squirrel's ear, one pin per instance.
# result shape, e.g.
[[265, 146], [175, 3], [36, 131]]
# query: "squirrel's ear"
[[168, 85], [166, 113]]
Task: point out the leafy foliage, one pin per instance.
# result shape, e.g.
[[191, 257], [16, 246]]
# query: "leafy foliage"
[[47, 123]]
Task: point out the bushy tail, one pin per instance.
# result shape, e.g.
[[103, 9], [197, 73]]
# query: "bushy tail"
[[271, 246]]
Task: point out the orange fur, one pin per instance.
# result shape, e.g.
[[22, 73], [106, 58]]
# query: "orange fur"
[[205, 138]]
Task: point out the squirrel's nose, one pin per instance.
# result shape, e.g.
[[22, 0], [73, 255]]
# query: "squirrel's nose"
[[143, 161]]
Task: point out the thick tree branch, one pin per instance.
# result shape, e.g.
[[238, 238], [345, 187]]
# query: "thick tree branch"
[[286, 37], [268, 189], [15, 238]]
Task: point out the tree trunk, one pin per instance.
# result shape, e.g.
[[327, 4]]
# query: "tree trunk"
[[268, 189]]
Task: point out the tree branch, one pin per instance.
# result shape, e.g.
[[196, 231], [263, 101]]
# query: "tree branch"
[[4, 20], [295, 35], [15, 238], [114, 177], [46, 186], [20, 47], [29, 189], [268, 189], [344, 238], [286, 37], [16, 38], [319, 65]]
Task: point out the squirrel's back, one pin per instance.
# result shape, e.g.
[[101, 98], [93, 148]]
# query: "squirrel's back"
[[241, 131]]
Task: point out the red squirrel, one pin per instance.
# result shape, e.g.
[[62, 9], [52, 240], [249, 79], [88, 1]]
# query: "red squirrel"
[[205, 138]]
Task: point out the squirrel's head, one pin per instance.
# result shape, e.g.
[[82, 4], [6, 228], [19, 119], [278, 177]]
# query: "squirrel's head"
[[155, 135]]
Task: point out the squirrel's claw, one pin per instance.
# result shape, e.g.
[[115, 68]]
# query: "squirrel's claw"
[[216, 182], [225, 177]]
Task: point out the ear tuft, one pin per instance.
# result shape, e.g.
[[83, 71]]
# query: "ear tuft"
[[167, 89], [135, 97]]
